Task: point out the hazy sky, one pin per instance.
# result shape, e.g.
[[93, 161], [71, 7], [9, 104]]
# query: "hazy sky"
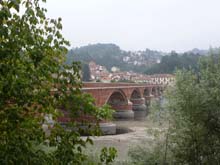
[[139, 24]]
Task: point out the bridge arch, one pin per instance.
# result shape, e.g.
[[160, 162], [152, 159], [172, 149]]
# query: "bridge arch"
[[154, 91], [136, 94], [117, 97], [119, 102], [138, 107], [159, 91], [147, 92]]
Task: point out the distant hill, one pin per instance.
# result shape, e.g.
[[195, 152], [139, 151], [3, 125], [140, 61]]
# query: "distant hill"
[[110, 55], [147, 61]]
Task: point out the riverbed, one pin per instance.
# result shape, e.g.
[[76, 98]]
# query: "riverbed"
[[138, 134]]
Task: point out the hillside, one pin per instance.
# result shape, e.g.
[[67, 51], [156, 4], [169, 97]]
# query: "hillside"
[[147, 61], [110, 55]]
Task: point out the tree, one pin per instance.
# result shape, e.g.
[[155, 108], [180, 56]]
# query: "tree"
[[34, 83], [195, 114], [86, 75], [158, 150], [173, 61]]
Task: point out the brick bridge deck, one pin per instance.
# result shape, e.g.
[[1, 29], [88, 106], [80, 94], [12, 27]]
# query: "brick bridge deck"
[[130, 100]]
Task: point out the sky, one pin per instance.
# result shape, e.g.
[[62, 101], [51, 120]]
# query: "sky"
[[164, 25]]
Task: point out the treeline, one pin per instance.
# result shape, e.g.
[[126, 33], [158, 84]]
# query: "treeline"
[[173, 61]]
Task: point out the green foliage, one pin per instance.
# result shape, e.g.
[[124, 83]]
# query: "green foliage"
[[86, 75], [158, 111], [195, 114], [104, 54], [104, 113], [156, 151], [34, 83], [108, 155], [141, 155], [173, 61]]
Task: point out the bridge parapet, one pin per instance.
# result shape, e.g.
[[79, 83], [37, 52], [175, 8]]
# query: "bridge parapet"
[[99, 84]]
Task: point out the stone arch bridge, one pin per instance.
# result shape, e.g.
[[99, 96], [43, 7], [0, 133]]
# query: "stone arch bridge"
[[129, 100]]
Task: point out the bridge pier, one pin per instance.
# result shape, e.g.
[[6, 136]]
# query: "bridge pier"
[[108, 128], [148, 100], [139, 108], [123, 112], [87, 123], [157, 92]]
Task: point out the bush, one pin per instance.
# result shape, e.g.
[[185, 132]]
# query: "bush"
[[34, 83]]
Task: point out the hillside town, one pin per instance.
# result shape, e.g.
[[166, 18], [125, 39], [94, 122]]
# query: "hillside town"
[[99, 73]]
